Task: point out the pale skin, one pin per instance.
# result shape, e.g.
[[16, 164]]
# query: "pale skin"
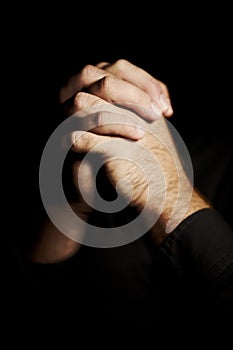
[[124, 84]]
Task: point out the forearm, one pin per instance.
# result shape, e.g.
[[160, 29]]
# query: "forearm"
[[52, 246], [173, 183], [159, 230]]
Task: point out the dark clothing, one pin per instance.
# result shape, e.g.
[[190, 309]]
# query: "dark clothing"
[[139, 286], [198, 256], [138, 289], [187, 281]]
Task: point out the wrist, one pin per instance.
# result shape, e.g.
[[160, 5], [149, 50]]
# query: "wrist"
[[170, 218]]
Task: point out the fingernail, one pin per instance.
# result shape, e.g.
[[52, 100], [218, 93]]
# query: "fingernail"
[[165, 104], [156, 110], [140, 131]]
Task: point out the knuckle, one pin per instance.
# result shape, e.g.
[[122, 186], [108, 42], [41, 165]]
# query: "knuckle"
[[121, 64], [142, 97], [155, 85], [80, 100], [164, 86], [106, 83], [79, 141], [88, 71]]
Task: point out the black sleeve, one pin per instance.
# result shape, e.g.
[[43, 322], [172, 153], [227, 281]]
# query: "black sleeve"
[[201, 250]]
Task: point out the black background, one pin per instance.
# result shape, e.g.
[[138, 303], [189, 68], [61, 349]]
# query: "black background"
[[188, 48]]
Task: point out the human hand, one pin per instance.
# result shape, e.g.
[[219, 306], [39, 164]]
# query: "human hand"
[[53, 245], [150, 163], [109, 88], [122, 83]]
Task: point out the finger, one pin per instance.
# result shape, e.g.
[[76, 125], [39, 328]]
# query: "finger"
[[121, 92], [87, 76], [165, 89], [113, 124], [103, 118], [103, 64], [85, 142], [110, 89], [83, 102], [165, 101], [143, 80]]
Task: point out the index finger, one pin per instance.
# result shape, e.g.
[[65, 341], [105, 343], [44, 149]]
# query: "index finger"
[[127, 71]]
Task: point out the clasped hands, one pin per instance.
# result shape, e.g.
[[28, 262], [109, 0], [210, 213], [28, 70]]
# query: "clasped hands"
[[145, 101], [123, 110]]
